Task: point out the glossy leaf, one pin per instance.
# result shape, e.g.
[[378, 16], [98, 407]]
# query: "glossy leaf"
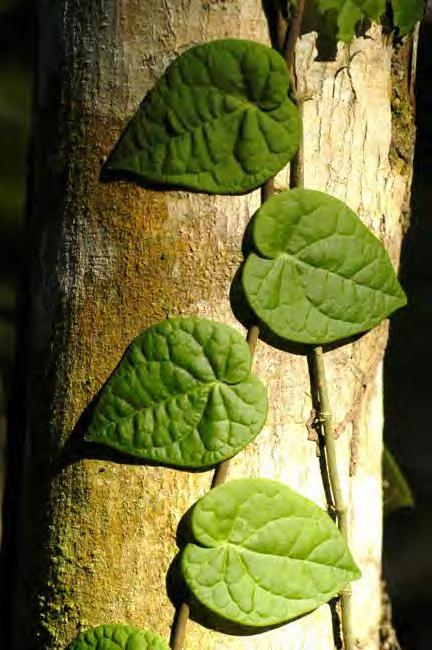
[[264, 554], [397, 492], [183, 395], [118, 637], [219, 121], [320, 275]]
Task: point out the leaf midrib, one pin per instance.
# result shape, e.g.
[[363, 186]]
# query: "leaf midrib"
[[239, 549], [244, 106], [282, 256], [159, 402]]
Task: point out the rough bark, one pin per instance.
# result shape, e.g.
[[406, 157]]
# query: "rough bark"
[[98, 536]]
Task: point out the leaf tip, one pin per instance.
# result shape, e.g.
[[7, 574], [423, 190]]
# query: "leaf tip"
[[357, 572]]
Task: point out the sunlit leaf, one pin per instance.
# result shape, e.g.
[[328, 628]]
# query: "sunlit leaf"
[[264, 554], [219, 120], [320, 275], [118, 637], [183, 395]]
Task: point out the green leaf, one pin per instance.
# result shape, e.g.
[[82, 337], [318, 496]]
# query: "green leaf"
[[118, 637], [397, 492], [264, 554], [342, 17], [219, 120], [406, 13], [346, 14], [321, 275], [183, 395]]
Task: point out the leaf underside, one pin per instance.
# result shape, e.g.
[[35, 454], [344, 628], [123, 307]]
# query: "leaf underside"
[[218, 121], [182, 395], [118, 637], [320, 275], [264, 554]]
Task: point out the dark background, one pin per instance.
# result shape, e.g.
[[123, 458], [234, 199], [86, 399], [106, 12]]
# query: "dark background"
[[408, 363], [16, 56], [408, 390]]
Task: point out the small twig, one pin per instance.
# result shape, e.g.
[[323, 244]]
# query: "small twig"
[[292, 36], [288, 51], [267, 190], [330, 474], [324, 420], [297, 162], [179, 627]]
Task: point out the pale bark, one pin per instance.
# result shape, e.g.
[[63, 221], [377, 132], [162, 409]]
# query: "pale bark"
[[99, 536]]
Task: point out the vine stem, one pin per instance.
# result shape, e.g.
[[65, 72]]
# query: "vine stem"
[[179, 626], [324, 419], [287, 40], [329, 469], [321, 403]]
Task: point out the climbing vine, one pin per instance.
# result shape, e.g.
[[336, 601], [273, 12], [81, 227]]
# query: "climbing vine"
[[225, 118]]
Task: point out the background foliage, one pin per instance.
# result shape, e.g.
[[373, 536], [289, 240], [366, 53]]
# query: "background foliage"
[[16, 38]]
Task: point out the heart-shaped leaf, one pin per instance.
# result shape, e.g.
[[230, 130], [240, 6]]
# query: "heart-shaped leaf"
[[118, 637], [182, 395], [219, 120], [321, 275], [264, 554]]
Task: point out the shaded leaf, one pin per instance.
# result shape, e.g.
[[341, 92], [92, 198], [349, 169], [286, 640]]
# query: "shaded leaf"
[[264, 554], [340, 19], [183, 395], [397, 492], [406, 13], [325, 25], [118, 637], [320, 275], [219, 120]]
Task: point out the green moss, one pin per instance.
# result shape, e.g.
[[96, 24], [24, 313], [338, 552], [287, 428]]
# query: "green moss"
[[56, 602], [402, 145]]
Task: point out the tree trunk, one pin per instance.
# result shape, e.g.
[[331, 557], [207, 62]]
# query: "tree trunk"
[[98, 536]]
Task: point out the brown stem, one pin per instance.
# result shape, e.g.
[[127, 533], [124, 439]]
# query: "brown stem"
[[292, 36], [267, 190], [297, 161], [179, 627], [288, 50]]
